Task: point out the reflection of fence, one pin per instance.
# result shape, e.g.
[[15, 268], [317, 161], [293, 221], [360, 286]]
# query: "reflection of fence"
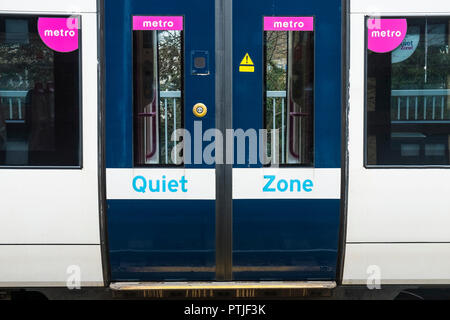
[[169, 98], [276, 100], [423, 106], [14, 103]]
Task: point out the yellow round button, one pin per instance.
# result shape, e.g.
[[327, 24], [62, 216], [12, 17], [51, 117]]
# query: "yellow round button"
[[200, 110]]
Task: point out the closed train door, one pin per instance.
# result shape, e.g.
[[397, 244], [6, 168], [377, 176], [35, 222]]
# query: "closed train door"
[[161, 206], [223, 139], [286, 201]]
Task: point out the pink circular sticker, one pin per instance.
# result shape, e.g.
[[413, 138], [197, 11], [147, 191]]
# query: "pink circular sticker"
[[59, 34], [385, 35]]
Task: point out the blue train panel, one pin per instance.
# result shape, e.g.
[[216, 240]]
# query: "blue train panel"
[[285, 239], [283, 231], [154, 240], [161, 185], [159, 63]]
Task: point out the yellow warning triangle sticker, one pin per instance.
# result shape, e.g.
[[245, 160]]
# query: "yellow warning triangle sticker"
[[247, 64], [247, 61]]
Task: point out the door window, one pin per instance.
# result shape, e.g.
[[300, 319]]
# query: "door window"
[[289, 83], [158, 89]]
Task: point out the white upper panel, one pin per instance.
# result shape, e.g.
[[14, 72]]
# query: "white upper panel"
[[59, 206], [67, 6], [389, 205], [420, 7]]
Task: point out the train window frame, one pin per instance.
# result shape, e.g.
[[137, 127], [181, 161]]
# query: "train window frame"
[[264, 94], [366, 165], [182, 89], [80, 94]]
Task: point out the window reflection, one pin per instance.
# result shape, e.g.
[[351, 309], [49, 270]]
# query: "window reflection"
[[408, 105], [158, 103], [39, 98], [289, 101]]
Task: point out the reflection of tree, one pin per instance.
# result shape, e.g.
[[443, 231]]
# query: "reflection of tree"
[[276, 73], [169, 60], [276, 59], [410, 74], [22, 63]]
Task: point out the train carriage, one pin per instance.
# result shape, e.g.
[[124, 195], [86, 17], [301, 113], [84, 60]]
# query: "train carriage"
[[224, 144]]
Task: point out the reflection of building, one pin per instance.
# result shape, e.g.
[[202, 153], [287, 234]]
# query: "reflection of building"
[[41, 105]]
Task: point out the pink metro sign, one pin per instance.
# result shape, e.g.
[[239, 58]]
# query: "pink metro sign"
[[142, 23], [288, 23], [59, 34], [386, 35]]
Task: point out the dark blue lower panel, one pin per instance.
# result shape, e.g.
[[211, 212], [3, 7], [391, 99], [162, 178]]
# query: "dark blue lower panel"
[[161, 240], [285, 239], [175, 240]]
